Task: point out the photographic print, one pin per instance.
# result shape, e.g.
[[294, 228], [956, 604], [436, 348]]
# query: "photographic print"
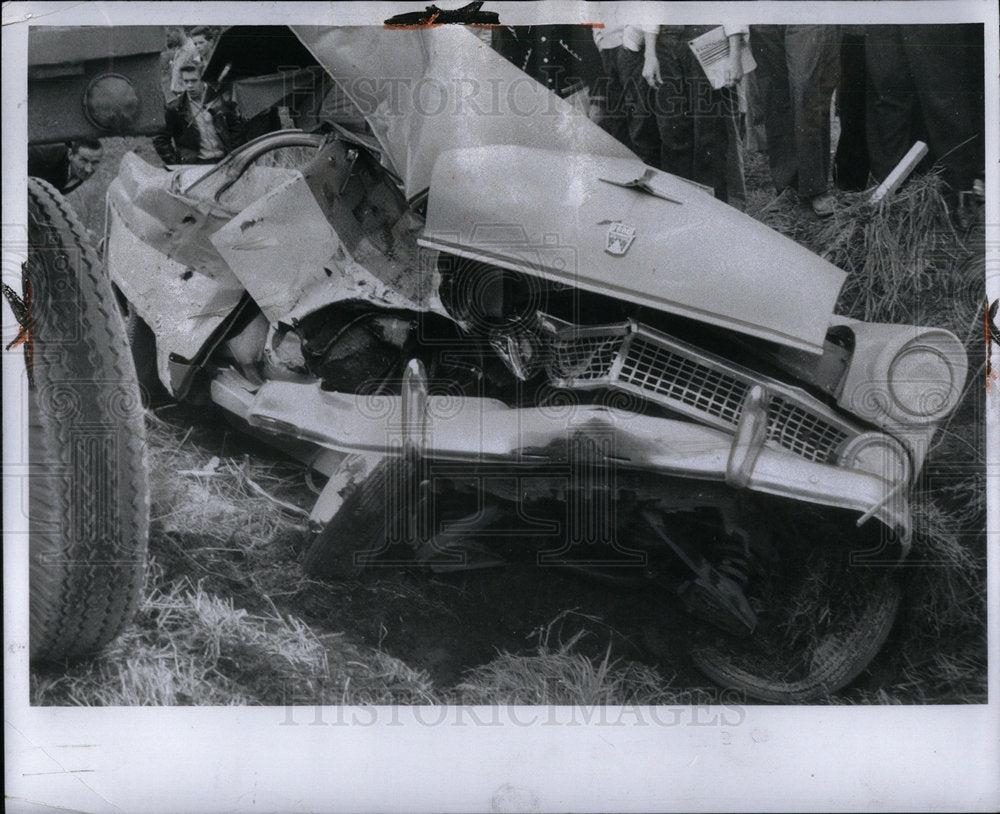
[[611, 367]]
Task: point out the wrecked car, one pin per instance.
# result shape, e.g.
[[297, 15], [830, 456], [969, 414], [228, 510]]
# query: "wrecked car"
[[495, 331]]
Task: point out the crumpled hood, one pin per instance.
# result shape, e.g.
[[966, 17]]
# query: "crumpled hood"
[[550, 213], [517, 181], [424, 91]]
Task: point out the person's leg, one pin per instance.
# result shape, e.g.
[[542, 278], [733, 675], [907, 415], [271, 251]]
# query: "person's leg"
[[755, 87], [713, 114], [642, 132], [735, 177], [891, 101], [941, 59], [713, 124], [850, 168], [767, 43], [672, 108], [813, 60], [610, 94]]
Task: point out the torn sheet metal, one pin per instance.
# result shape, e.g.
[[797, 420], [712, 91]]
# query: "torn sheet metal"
[[429, 90]]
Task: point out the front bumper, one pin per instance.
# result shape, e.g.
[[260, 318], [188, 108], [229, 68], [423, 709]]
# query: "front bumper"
[[486, 430]]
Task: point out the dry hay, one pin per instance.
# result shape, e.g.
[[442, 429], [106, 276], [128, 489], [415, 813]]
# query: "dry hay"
[[906, 260], [558, 674], [224, 542], [191, 647]]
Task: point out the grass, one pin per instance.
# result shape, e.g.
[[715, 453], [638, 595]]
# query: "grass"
[[209, 629], [558, 674], [908, 262], [228, 618], [189, 646]]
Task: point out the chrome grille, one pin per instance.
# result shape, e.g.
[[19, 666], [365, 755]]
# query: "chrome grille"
[[586, 358], [802, 432], [684, 378], [655, 369]]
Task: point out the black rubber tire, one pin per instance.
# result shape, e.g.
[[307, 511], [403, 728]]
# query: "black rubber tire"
[[805, 656], [367, 522], [88, 498]]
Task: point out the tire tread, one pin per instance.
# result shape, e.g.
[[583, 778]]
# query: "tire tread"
[[87, 568]]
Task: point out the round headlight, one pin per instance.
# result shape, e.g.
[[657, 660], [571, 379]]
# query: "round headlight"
[[922, 381], [879, 455], [111, 103]]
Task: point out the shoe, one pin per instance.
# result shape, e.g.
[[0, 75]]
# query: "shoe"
[[823, 205]]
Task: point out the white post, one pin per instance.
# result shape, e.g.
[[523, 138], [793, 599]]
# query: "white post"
[[900, 172]]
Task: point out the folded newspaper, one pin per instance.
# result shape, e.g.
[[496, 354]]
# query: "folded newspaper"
[[712, 50]]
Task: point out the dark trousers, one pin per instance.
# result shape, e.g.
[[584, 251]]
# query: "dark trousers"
[[693, 119], [625, 107], [801, 66], [927, 84], [736, 186], [851, 163]]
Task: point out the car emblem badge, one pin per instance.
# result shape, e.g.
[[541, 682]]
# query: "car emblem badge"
[[620, 237]]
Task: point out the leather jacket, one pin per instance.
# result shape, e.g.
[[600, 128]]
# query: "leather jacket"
[[180, 140]]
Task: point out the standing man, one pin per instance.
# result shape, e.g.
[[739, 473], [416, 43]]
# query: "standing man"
[[800, 66], [623, 99], [195, 47], [65, 166], [201, 125], [561, 57], [175, 42], [202, 38], [695, 121], [927, 83]]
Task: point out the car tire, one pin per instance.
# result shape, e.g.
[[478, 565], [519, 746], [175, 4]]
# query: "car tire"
[[833, 623], [367, 521], [88, 497]]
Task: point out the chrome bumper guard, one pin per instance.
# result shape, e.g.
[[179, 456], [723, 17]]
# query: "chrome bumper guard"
[[486, 430]]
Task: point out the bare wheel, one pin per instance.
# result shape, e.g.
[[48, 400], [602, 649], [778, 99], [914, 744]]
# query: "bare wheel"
[[374, 514], [89, 496], [821, 621]]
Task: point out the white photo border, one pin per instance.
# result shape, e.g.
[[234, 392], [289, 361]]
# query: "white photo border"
[[465, 759]]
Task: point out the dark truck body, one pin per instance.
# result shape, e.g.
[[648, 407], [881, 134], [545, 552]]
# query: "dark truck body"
[[94, 81]]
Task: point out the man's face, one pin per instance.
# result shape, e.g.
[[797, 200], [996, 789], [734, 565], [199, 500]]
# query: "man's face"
[[190, 80], [83, 161], [201, 43]]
